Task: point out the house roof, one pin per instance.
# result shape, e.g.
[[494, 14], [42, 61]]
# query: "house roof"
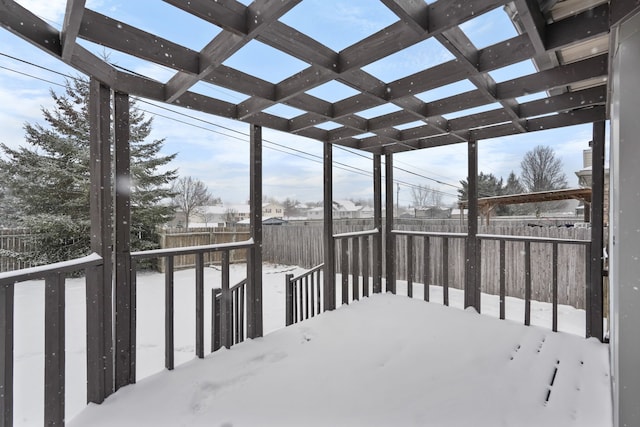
[[567, 40]]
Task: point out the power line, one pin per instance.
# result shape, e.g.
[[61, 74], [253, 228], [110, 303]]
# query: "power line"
[[311, 157]]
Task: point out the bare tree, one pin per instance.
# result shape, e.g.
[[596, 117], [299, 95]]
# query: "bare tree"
[[230, 217], [191, 196], [423, 196], [420, 195], [541, 170]]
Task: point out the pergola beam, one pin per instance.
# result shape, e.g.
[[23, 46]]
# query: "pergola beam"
[[71, 27]]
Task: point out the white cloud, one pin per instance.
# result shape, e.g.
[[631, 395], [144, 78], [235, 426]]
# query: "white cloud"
[[51, 10]]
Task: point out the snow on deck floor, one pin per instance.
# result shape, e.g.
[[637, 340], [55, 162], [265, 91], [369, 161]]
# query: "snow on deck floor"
[[383, 361]]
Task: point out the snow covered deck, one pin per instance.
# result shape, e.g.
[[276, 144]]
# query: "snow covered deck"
[[386, 360]]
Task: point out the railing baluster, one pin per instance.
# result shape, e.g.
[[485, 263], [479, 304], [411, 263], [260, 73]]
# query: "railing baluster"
[[242, 311], [288, 302], [410, 266], [313, 295], [225, 305], [318, 286], [6, 354], [236, 314], [427, 267], [345, 271], [200, 305], [527, 283], [365, 266], [554, 288], [503, 287], [294, 303], [445, 271], [355, 268], [300, 290], [54, 349], [306, 297], [168, 314]]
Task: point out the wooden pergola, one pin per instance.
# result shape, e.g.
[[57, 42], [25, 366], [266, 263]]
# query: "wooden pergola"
[[568, 41], [487, 204]]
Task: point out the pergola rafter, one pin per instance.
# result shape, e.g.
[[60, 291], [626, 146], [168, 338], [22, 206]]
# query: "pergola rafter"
[[418, 21]]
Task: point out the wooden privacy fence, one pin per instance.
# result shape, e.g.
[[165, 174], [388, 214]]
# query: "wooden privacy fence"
[[14, 241], [181, 238]]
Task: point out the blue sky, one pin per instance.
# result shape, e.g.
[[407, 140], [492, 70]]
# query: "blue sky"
[[216, 150]]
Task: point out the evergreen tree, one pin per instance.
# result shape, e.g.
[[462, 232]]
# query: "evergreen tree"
[[49, 179], [513, 186], [488, 185]]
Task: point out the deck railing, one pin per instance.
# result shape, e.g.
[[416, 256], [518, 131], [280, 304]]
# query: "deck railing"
[[426, 259], [228, 314], [226, 306], [355, 258], [527, 256], [411, 236], [303, 295], [54, 341]]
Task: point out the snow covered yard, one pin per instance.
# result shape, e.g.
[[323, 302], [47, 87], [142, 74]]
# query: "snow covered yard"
[[382, 361]]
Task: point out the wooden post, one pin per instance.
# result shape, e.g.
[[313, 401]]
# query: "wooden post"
[[355, 268], [225, 303], [99, 279], [168, 314], [200, 304], [329, 278], [125, 290], [215, 319], [527, 283], [472, 265], [54, 350], [288, 303], [390, 241], [254, 284], [594, 287], [365, 265], [377, 223], [6, 354]]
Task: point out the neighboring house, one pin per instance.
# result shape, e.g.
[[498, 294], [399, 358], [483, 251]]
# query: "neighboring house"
[[342, 209], [274, 210]]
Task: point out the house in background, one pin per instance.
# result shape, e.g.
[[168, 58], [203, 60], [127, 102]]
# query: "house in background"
[[342, 209], [272, 210]]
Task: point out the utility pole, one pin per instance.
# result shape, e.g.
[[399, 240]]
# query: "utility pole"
[[398, 197]]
